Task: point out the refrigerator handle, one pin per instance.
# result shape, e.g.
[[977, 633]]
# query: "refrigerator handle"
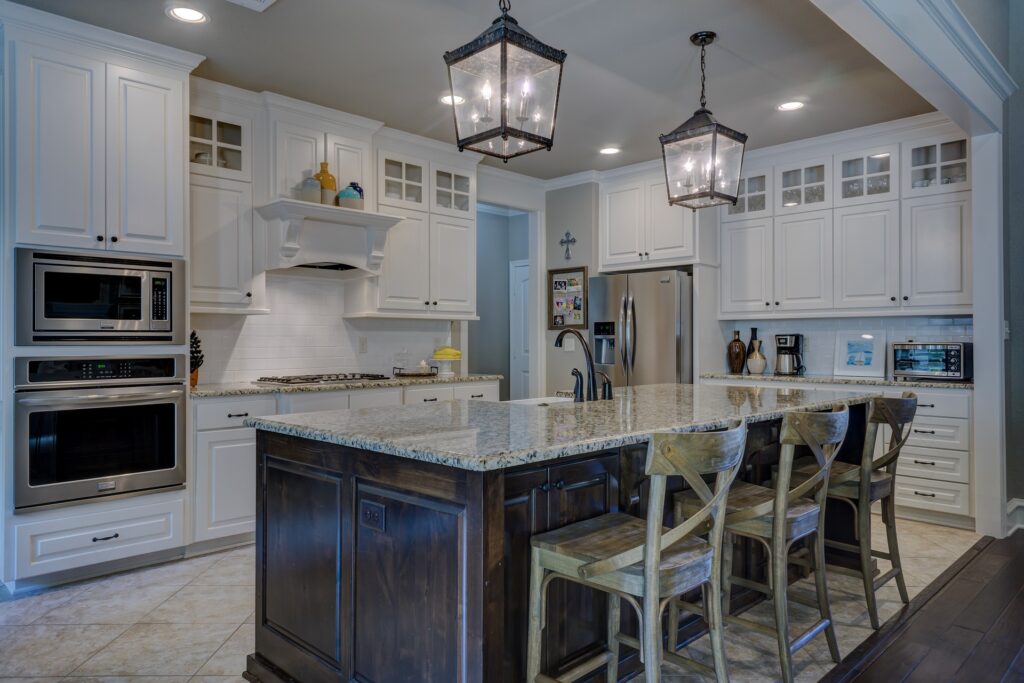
[[623, 336], [631, 324]]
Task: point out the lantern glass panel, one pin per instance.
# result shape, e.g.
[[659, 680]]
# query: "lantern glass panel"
[[532, 84], [728, 163], [476, 85], [510, 147], [688, 165]]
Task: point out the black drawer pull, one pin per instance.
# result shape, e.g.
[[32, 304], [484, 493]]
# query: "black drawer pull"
[[428, 400], [924, 431], [926, 495], [925, 405], [238, 414], [924, 462], [105, 538], [476, 395]]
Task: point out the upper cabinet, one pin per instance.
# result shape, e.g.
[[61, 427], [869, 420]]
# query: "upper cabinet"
[[935, 250], [219, 147], [221, 265], [754, 197], [866, 255], [866, 176], [803, 186], [453, 191], [298, 151], [803, 261], [403, 181], [100, 146], [936, 165], [747, 266]]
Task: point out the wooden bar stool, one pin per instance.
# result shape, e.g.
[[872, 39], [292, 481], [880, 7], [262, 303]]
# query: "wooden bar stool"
[[641, 561], [779, 517], [873, 480]]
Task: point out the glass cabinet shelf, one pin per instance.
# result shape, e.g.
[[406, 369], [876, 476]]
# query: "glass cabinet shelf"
[[803, 187], [218, 147], [937, 165], [403, 181], [753, 198], [866, 175]]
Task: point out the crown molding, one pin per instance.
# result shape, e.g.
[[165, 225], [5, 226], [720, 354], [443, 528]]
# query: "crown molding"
[[464, 158], [62, 28], [571, 180], [336, 116], [505, 212], [500, 174]]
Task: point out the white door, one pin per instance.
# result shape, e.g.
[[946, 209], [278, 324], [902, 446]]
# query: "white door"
[[935, 249], [225, 483], [622, 224], [349, 161], [519, 328], [145, 162], [803, 261], [452, 265], [298, 152], [669, 228], [221, 245], [867, 256], [59, 179], [405, 272], [746, 272]]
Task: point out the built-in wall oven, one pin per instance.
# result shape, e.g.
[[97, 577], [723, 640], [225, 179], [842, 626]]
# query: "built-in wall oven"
[[65, 298], [92, 427]]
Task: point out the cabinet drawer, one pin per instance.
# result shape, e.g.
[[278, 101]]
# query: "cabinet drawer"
[[312, 401], [935, 463], [940, 432], [940, 496], [483, 392], [430, 394], [221, 413], [61, 543], [943, 405], [373, 398]]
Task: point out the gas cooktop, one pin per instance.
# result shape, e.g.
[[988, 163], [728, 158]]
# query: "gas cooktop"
[[326, 378]]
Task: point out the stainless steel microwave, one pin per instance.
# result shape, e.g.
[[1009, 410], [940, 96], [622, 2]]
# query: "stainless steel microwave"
[[65, 298], [950, 361]]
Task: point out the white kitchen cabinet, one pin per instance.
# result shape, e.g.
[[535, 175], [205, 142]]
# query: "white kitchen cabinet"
[[803, 261], [219, 146], [405, 271], [621, 218], [221, 246], [669, 233], [477, 391], [60, 127], [453, 191], [349, 160], [935, 250], [638, 227], [375, 398], [403, 181], [145, 164], [452, 265], [754, 197], [431, 393], [747, 265], [866, 255], [936, 166], [298, 151], [803, 186], [864, 176], [225, 481]]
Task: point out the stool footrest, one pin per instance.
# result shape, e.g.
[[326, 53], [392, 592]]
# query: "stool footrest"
[[886, 577], [747, 623], [580, 670], [753, 585], [688, 663], [808, 635]]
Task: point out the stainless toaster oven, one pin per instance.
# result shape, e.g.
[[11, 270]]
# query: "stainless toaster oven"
[[948, 361]]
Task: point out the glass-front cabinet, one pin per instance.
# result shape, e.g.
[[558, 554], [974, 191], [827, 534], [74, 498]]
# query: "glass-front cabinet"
[[453, 192], [803, 186], [935, 166], [403, 181], [219, 147], [865, 176], [754, 196]]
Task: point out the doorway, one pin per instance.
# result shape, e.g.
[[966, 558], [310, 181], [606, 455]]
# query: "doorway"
[[519, 329]]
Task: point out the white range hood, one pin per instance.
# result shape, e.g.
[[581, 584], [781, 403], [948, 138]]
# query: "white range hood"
[[307, 234]]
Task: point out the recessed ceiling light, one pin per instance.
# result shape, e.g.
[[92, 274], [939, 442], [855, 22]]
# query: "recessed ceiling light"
[[449, 99], [189, 15], [790, 106], [609, 150]]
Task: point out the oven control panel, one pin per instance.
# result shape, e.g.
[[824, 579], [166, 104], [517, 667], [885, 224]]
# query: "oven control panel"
[[49, 370]]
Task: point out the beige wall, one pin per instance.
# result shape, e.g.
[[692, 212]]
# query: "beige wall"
[[572, 209]]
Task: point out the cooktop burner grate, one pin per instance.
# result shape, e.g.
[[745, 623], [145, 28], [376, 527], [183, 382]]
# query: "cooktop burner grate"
[[326, 378]]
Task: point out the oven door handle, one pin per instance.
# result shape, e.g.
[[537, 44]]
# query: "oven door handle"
[[101, 398]]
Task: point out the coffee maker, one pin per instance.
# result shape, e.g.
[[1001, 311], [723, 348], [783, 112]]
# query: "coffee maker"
[[788, 360]]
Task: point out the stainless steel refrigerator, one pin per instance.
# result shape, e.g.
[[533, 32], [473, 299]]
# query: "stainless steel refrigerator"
[[641, 327]]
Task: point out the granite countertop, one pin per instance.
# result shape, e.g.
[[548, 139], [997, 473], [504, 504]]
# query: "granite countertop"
[[482, 436], [253, 389], [832, 379]]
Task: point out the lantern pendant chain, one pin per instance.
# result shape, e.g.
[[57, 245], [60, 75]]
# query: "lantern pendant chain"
[[504, 6], [703, 99]]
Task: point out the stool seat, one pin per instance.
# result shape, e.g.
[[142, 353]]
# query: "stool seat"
[[684, 565], [801, 516], [844, 480]]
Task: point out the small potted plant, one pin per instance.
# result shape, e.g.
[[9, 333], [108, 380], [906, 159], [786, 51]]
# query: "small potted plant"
[[195, 358]]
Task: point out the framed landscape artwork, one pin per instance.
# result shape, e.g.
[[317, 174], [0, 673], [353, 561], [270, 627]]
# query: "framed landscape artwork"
[[567, 298], [860, 353]]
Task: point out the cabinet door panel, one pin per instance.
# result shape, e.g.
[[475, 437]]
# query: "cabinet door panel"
[[452, 191], [669, 228], [867, 262], [803, 261], [746, 273], [402, 181], [452, 265], [405, 273], [935, 250], [622, 229], [866, 176], [298, 152], [225, 483], [145, 165], [349, 161], [803, 186], [221, 266], [60, 180]]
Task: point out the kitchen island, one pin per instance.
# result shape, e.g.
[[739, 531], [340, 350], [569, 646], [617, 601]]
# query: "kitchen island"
[[393, 543]]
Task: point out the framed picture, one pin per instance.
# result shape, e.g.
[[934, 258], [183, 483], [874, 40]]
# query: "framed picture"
[[567, 298], [860, 353]]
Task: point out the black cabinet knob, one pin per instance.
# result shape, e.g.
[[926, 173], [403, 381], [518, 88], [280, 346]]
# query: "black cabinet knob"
[[640, 254], [435, 303], [647, 253], [906, 298], [114, 238], [892, 298], [99, 238], [560, 484], [249, 294], [545, 487], [776, 303], [767, 303], [426, 303]]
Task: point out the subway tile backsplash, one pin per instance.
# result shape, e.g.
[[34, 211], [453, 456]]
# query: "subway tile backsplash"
[[306, 332], [820, 335]]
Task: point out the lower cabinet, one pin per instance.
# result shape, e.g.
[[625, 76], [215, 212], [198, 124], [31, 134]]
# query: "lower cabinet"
[[225, 481]]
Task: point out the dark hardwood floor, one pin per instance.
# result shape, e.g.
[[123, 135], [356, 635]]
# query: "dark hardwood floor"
[[966, 626]]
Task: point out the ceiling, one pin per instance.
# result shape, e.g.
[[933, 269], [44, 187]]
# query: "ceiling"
[[630, 75]]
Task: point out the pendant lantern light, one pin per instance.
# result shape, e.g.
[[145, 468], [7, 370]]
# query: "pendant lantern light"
[[504, 90], [703, 159]]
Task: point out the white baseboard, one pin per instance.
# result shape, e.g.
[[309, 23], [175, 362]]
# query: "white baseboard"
[[1014, 515]]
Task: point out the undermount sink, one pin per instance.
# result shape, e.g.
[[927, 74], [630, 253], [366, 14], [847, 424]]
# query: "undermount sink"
[[542, 401]]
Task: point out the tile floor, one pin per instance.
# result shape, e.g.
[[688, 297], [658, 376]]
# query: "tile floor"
[[192, 621]]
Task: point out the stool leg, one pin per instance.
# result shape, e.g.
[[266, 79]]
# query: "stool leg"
[[779, 571], [726, 589], [894, 545], [821, 586], [652, 636], [614, 620], [713, 615], [673, 625], [864, 529], [533, 647]]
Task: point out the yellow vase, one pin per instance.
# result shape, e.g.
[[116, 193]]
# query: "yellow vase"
[[328, 184]]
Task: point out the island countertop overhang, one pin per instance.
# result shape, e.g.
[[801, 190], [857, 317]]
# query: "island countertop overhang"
[[485, 436]]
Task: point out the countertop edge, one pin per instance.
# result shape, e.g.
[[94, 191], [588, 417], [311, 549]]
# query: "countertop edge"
[[251, 389], [832, 379]]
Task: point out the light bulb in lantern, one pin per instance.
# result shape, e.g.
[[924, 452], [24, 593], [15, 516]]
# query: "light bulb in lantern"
[[486, 93]]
